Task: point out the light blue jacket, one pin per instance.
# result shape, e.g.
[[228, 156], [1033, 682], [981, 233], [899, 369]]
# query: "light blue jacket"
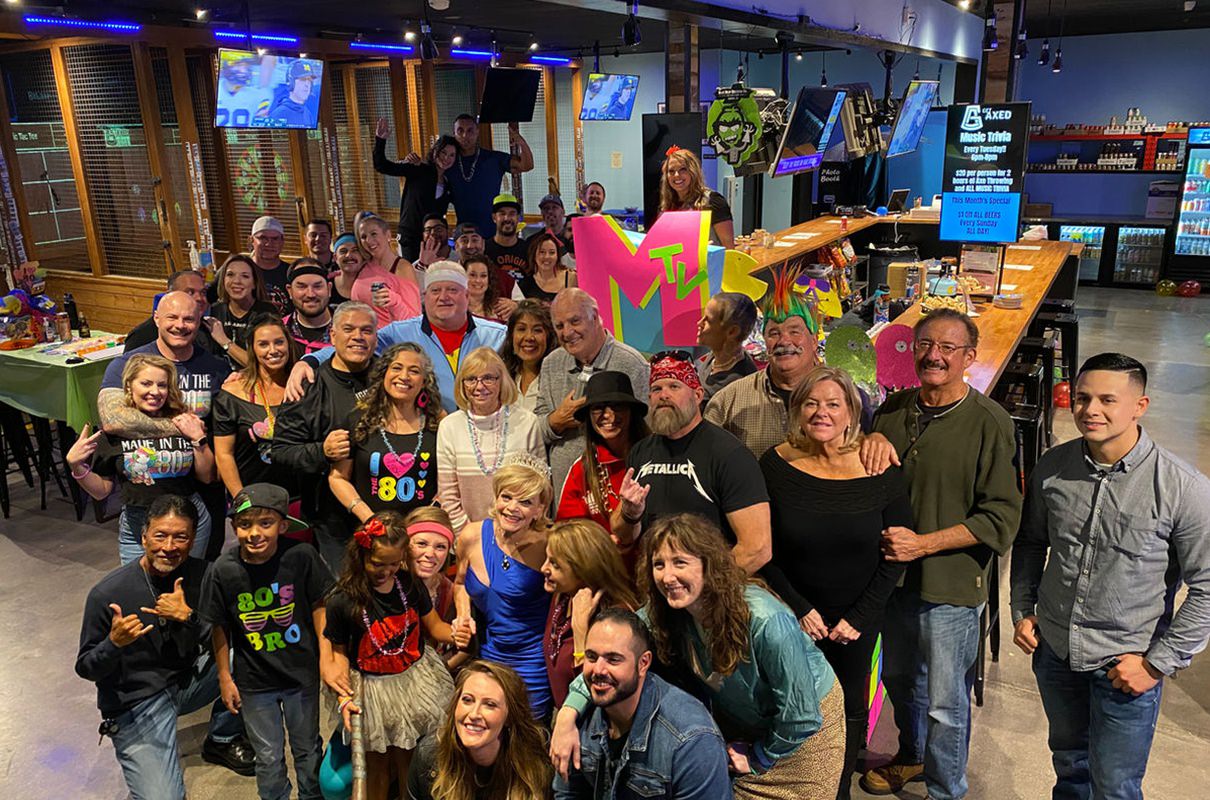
[[479, 333]]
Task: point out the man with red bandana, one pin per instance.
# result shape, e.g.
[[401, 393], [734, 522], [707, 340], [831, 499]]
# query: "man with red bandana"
[[690, 465]]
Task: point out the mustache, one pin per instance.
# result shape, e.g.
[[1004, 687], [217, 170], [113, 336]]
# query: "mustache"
[[787, 350]]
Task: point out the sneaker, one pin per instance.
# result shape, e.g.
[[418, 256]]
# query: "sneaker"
[[891, 778], [236, 756]]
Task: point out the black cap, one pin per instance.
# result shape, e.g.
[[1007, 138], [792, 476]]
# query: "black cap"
[[464, 228], [609, 387], [265, 495]]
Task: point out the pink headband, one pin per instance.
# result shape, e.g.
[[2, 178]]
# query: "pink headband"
[[430, 527]]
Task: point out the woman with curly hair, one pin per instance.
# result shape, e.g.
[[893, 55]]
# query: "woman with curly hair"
[[771, 691], [498, 572], [489, 747], [683, 188], [392, 462], [529, 339], [583, 573], [483, 289]]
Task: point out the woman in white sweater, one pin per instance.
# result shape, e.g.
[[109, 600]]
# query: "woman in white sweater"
[[473, 441]]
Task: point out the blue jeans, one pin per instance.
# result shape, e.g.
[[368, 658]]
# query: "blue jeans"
[[1100, 736], [928, 669], [146, 745], [268, 717], [134, 518]]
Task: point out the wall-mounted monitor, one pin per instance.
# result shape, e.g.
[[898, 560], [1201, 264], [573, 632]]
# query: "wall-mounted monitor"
[[913, 114], [609, 97], [812, 121], [509, 95], [256, 91]]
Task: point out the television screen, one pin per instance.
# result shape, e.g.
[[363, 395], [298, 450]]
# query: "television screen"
[[913, 114], [256, 91], [806, 136], [509, 95], [609, 97]]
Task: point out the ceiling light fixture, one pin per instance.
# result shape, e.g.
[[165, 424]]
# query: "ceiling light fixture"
[[798, 56], [457, 39], [409, 35], [1022, 48], [1044, 55], [200, 13], [631, 33], [965, 5], [428, 47], [990, 39], [1057, 67], [823, 69]]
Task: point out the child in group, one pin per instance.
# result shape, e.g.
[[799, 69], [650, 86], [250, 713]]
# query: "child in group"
[[375, 614], [430, 540], [266, 599]]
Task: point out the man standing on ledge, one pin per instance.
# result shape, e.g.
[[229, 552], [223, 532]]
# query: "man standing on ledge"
[[957, 448], [1124, 522], [477, 174]]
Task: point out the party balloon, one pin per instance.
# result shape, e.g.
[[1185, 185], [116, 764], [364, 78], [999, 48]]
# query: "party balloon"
[[1062, 395], [1189, 289], [1206, 340], [849, 348], [1165, 288], [896, 365]]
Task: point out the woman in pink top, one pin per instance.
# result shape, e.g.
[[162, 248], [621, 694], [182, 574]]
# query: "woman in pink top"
[[395, 300]]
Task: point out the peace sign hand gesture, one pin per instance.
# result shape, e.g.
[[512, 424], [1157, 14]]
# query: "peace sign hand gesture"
[[172, 605], [82, 449]]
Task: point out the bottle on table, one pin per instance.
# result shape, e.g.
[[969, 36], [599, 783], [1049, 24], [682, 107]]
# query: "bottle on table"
[[73, 313], [85, 330]]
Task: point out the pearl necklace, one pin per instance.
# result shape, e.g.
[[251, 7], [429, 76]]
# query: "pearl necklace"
[[501, 430]]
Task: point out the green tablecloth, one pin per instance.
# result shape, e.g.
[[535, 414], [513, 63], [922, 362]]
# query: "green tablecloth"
[[47, 386]]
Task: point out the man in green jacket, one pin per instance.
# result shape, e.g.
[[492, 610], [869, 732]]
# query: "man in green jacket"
[[957, 449]]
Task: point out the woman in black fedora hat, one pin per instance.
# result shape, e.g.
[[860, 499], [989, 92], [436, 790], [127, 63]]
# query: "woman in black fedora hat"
[[613, 420]]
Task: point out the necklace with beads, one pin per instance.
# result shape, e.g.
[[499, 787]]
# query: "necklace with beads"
[[379, 646], [415, 450], [611, 497], [501, 429], [560, 624]]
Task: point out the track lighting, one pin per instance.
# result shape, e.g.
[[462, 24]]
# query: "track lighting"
[[631, 33]]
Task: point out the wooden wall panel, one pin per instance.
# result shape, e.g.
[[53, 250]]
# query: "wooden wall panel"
[[111, 303]]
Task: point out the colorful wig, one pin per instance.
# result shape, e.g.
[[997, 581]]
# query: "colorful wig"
[[783, 300]]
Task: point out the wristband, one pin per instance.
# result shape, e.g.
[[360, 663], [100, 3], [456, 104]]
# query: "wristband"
[[354, 505], [199, 443], [629, 520], [84, 474]]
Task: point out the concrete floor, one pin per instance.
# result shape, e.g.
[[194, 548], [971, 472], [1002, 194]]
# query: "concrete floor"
[[48, 562]]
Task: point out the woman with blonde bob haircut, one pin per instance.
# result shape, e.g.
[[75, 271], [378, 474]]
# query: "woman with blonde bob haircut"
[[827, 518], [772, 693], [474, 441], [683, 188], [583, 572], [489, 748], [499, 562]]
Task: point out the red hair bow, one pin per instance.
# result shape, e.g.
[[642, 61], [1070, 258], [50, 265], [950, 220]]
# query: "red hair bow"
[[676, 148], [366, 533]]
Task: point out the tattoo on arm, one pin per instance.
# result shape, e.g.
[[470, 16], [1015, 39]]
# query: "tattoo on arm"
[[122, 420]]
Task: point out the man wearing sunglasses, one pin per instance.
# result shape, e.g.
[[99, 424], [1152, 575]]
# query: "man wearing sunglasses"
[[957, 449], [142, 644]]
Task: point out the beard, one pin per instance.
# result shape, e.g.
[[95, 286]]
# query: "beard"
[[667, 420], [621, 692]]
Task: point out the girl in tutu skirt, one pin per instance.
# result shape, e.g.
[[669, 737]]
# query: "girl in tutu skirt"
[[375, 617]]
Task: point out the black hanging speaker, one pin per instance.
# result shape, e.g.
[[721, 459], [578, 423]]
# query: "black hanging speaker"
[[660, 132]]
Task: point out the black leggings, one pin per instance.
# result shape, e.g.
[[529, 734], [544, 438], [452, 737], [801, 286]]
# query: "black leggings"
[[851, 663]]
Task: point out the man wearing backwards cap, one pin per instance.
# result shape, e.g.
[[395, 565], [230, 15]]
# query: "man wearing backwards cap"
[[445, 330], [310, 324], [689, 465], [506, 248]]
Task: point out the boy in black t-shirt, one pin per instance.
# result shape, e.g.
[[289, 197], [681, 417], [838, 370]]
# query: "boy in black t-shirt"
[[265, 599]]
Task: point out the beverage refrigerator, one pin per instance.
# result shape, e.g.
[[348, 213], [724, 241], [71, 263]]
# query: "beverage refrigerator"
[[1140, 255], [1092, 237], [1191, 245]]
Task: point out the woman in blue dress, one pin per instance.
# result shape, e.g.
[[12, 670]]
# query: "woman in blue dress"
[[499, 563]]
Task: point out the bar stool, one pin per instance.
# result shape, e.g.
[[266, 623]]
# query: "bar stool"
[[1059, 304], [989, 630], [1021, 379], [1041, 350], [1067, 324]]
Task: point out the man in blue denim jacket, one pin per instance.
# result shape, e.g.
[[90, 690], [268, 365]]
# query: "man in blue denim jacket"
[[1123, 522], [644, 738]]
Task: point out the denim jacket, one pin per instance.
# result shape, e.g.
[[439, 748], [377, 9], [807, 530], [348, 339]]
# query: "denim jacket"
[[674, 750]]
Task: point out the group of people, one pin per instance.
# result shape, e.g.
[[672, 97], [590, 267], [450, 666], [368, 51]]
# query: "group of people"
[[535, 562]]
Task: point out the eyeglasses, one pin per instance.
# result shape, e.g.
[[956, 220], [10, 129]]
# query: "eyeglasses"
[[923, 346], [486, 380]]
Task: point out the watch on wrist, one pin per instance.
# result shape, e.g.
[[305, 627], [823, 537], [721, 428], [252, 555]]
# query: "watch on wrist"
[[226, 346]]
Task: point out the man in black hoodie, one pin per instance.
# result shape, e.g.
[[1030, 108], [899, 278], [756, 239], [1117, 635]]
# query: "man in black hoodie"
[[310, 437], [142, 644]]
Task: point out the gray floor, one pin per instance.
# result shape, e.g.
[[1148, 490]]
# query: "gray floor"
[[48, 740]]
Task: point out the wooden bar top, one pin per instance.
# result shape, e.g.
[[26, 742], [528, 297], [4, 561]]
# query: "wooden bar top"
[[1000, 329]]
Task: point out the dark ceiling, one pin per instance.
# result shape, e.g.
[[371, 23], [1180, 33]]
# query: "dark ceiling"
[[567, 28]]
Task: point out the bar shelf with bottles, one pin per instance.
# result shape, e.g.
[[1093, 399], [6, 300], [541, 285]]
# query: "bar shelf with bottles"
[[1133, 146], [1118, 251]]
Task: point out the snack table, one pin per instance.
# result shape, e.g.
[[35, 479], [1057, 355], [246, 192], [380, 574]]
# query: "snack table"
[[47, 386]]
